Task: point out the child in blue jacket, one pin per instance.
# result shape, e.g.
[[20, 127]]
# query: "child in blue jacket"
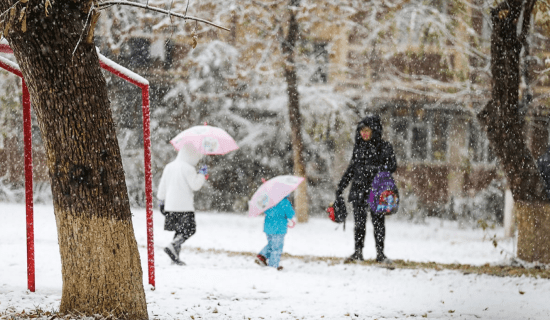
[[275, 227]]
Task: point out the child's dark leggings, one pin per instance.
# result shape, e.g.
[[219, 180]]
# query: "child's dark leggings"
[[185, 230]]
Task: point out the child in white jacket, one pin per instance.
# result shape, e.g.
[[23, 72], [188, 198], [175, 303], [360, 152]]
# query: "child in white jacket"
[[178, 182]]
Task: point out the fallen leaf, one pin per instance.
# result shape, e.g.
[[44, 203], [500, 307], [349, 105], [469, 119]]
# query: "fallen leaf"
[[6, 28], [22, 14], [503, 14], [24, 24], [47, 4]]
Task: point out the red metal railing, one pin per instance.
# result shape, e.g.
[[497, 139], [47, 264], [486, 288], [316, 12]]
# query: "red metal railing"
[[27, 138], [126, 75]]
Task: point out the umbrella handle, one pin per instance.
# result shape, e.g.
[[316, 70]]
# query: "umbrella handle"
[[293, 224]]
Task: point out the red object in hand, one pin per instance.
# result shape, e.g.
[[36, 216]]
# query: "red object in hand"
[[330, 211], [206, 176]]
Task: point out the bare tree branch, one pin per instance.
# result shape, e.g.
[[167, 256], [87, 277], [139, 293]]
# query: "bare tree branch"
[[106, 4], [7, 10], [526, 23], [187, 7], [83, 29]]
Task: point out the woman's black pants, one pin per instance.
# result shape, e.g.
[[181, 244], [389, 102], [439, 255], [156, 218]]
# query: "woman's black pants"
[[360, 211]]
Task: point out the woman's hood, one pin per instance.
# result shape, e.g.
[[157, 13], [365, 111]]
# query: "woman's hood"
[[373, 122], [189, 154]]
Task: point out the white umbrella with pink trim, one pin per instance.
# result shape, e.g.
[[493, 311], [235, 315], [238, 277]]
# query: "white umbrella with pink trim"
[[207, 139], [272, 192]]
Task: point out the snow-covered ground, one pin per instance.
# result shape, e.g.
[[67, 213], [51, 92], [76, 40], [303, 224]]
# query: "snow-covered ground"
[[225, 286]]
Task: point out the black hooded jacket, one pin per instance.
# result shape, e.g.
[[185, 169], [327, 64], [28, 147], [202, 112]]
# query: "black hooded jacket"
[[369, 157]]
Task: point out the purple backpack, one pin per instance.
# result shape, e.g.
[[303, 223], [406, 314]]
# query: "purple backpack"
[[384, 196]]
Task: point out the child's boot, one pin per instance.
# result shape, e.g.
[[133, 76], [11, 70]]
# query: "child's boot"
[[261, 260], [174, 255]]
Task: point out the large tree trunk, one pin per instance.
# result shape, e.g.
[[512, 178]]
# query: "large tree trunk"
[[101, 268], [300, 197], [505, 129]]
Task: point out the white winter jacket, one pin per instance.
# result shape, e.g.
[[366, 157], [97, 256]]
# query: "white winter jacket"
[[179, 180]]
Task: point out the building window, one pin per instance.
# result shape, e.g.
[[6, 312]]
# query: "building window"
[[419, 142], [400, 128], [422, 138], [478, 145], [317, 56], [440, 125], [320, 58]]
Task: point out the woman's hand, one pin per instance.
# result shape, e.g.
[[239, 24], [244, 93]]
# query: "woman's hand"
[[161, 206]]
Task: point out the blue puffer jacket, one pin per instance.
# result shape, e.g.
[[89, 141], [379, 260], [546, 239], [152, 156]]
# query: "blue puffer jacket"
[[276, 217]]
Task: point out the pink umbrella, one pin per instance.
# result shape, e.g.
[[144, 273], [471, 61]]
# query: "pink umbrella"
[[207, 140], [272, 192]]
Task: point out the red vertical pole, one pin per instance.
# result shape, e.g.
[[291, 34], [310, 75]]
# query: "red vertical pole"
[[27, 137], [148, 183]]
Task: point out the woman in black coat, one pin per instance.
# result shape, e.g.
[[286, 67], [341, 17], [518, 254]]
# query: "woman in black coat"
[[371, 155]]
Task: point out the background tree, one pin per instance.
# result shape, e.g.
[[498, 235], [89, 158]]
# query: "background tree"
[[505, 128], [294, 115]]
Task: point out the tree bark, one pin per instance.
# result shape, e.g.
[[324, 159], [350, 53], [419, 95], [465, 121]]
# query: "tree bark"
[[505, 125], [300, 196], [101, 269], [533, 223]]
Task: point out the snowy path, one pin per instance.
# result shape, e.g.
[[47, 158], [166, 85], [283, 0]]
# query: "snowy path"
[[219, 286]]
